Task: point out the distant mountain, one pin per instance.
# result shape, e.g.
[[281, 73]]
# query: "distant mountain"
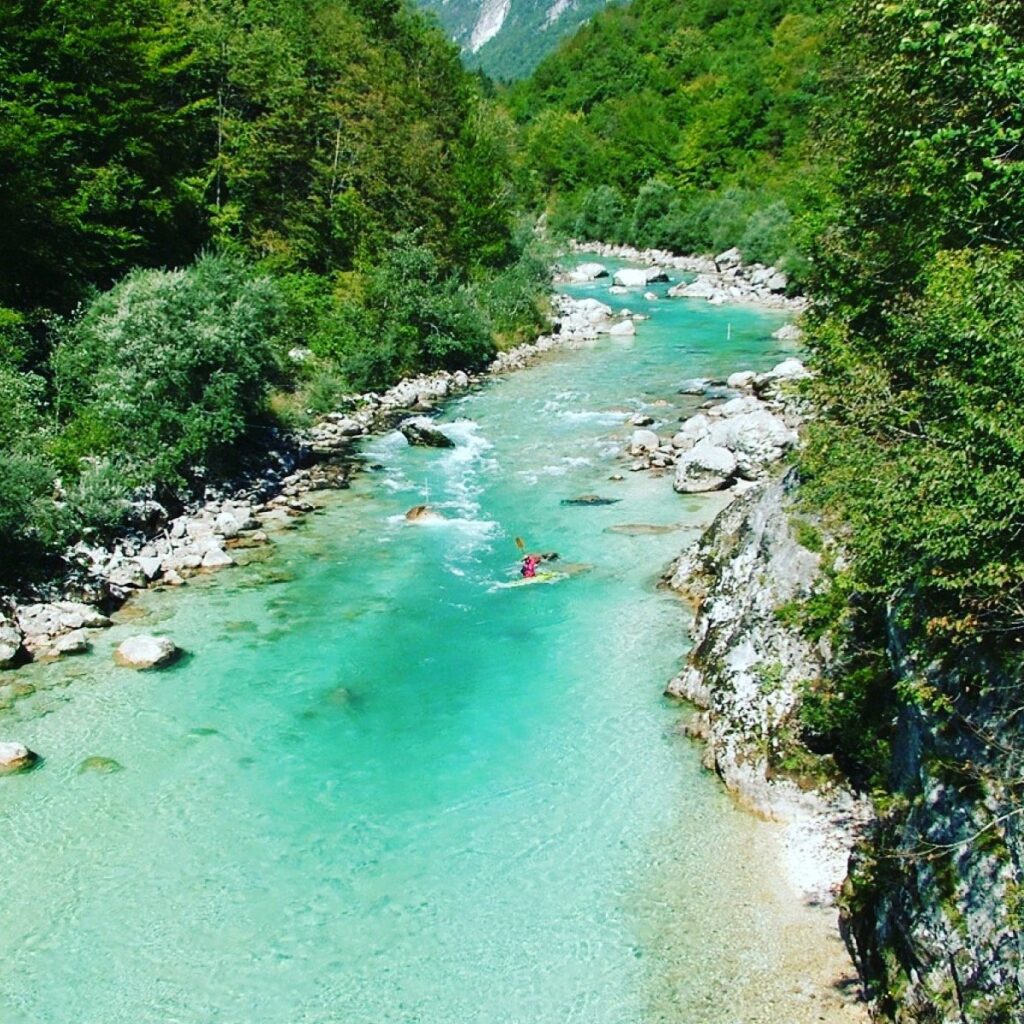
[[508, 38]]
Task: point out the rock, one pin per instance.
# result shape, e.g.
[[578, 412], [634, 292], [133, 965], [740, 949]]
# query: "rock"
[[789, 332], [128, 575], [650, 297], [226, 525], [151, 567], [624, 328], [705, 467], [730, 258], [419, 432], [630, 277], [460, 379], [778, 282], [643, 441], [788, 369], [299, 354], [641, 419], [692, 432], [737, 407], [694, 386], [216, 558], [10, 643], [702, 288], [39, 620], [15, 757], [99, 766], [423, 514], [594, 311], [742, 380], [588, 272], [146, 651], [589, 499], [75, 642]]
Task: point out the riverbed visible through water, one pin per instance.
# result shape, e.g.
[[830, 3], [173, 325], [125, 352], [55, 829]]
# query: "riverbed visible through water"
[[381, 788]]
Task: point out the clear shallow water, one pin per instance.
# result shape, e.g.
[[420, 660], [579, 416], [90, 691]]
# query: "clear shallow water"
[[381, 788]]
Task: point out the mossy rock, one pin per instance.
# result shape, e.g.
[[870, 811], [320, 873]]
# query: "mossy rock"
[[97, 765]]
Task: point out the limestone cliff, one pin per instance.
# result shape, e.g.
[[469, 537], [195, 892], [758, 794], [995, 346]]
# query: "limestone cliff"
[[933, 905]]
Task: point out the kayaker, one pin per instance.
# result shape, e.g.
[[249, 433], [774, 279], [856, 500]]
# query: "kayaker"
[[529, 567]]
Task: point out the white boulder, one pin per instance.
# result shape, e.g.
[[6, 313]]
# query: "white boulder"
[[730, 258], [741, 380], [10, 643], [623, 329], [216, 558], [146, 651], [643, 441], [705, 467], [692, 432], [588, 272], [15, 757]]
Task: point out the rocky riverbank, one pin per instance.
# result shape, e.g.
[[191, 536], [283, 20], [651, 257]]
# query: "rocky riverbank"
[[165, 549], [721, 279]]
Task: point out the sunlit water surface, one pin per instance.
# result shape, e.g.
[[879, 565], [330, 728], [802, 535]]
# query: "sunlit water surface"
[[381, 788]]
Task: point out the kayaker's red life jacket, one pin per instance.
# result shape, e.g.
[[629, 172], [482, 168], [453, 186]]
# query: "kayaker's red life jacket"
[[529, 566]]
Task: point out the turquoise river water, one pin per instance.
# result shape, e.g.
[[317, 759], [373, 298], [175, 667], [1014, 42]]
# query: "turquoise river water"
[[380, 788]]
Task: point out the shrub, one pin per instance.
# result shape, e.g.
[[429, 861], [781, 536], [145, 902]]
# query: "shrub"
[[602, 216], [168, 367]]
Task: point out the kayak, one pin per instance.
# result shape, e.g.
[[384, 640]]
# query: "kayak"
[[525, 581]]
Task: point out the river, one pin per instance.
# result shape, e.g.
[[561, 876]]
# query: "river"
[[383, 788]]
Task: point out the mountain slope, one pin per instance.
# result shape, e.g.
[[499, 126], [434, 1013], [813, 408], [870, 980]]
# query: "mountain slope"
[[508, 38]]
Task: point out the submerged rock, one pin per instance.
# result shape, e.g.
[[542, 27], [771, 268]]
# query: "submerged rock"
[[590, 499], [100, 766], [146, 651]]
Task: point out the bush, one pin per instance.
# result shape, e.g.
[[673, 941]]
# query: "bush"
[[650, 209], [768, 236], [513, 298], [26, 507], [168, 367], [404, 319], [602, 216]]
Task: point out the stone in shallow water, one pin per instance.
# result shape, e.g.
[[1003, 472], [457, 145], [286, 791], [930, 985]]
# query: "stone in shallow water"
[[97, 765], [146, 651], [590, 499], [642, 529], [15, 757]]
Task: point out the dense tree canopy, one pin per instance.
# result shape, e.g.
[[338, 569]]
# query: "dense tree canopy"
[[708, 98]]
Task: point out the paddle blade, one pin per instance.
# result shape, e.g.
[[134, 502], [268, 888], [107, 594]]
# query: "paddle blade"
[[520, 543]]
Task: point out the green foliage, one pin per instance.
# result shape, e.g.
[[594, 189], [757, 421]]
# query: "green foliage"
[[697, 111], [602, 216], [514, 299], [26, 508], [167, 369], [407, 317]]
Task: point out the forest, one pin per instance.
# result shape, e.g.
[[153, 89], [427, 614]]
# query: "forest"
[[192, 189]]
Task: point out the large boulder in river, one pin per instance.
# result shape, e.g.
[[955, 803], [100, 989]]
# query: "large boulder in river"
[[705, 467], [623, 329], [15, 757], [639, 277], [643, 441], [419, 431], [587, 272], [10, 643], [146, 651]]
